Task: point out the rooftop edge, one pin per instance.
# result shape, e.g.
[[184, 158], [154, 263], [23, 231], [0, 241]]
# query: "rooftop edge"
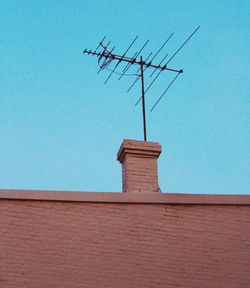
[[116, 197]]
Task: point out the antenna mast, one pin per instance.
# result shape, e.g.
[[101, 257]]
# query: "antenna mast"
[[143, 101]]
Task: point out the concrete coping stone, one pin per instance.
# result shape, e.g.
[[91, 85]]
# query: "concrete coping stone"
[[119, 197]]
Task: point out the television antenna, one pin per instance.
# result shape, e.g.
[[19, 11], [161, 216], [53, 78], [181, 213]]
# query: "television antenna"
[[106, 56]]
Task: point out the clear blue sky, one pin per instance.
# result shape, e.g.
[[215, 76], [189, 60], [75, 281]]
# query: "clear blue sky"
[[60, 127]]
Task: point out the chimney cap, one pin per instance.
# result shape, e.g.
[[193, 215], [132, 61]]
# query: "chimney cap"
[[138, 148]]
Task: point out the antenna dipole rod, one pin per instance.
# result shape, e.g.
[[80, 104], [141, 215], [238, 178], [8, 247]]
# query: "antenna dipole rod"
[[184, 44], [138, 76], [165, 91], [120, 59], [143, 101]]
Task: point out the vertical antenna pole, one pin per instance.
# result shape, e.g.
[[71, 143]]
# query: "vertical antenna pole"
[[143, 102]]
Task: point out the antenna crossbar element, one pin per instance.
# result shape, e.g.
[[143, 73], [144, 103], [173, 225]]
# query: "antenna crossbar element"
[[159, 64], [106, 61], [171, 83], [100, 43], [134, 57], [139, 75], [120, 60], [103, 52]]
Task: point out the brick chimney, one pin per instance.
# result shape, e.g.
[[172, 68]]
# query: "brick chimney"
[[139, 165]]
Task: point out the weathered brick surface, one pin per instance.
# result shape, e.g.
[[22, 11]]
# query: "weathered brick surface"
[[68, 244], [139, 166]]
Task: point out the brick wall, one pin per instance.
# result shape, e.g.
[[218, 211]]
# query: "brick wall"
[[123, 244]]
